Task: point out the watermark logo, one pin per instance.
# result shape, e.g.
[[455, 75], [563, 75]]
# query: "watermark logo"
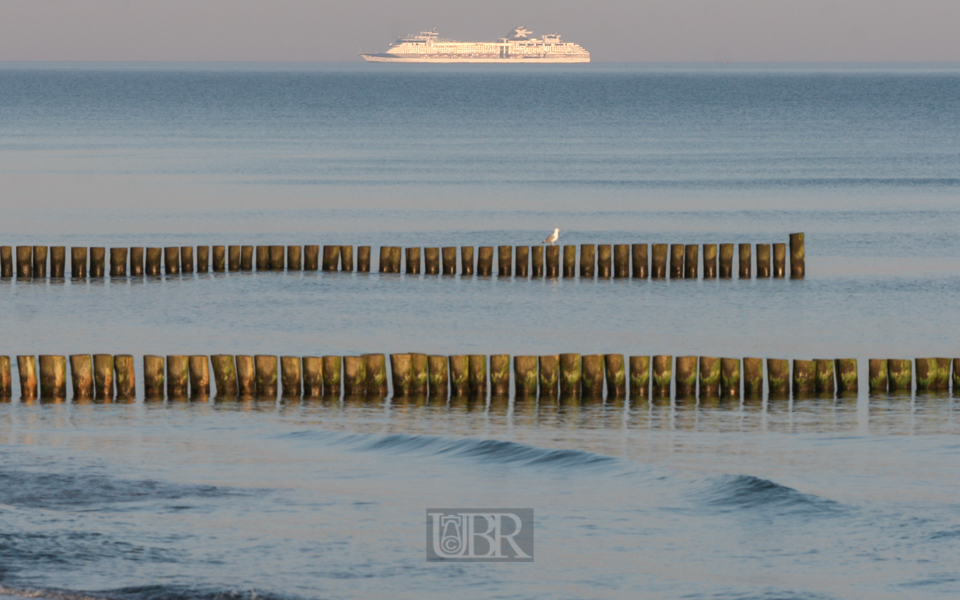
[[480, 534]]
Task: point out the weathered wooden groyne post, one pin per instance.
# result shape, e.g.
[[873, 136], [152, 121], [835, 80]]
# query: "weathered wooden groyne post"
[[39, 261], [710, 376], [246, 258], [499, 375], [186, 259], [331, 259], [549, 366], [804, 377], [616, 375], [729, 377], [432, 263], [395, 258], [676, 261], [956, 377], [125, 376], [363, 259], [662, 375], [709, 261], [233, 258], [763, 261], [413, 261], [332, 366], [459, 375], [6, 383], [311, 257], [58, 260], [778, 377], [153, 379], [932, 374], [604, 261], [504, 261], [522, 264], [246, 375], [118, 262], [103, 369], [220, 259], [621, 261], [199, 375], [276, 256], [154, 260], [266, 373], [449, 258], [225, 375], [846, 373], [385, 264], [346, 258], [53, 376], [290, 380], [640, 262], [478, 375], [171, 260], [536, 261], [27, 368], [553, 261], [899, 374], [779, 260], [294, 258], [658, 261], [686, 385], [438, 376], [571, 372], [591, 382], [466, 260], [825, 378], [419, 374], [376, 366], [81, 374], [588, 260], [25, 264], [797, 256], [78, 263], [98, 259], [178, 376], [639, 376], [569, 261], [263, 258], [400, 371], [752, 377], [485, 261], [745, 260], [312, 368], [6, 262], [726, 261], [525, 376]]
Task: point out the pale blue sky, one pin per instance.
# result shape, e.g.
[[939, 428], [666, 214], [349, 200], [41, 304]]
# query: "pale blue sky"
[[612, 30]]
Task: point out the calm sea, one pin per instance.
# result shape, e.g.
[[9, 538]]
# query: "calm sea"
[[806, 499]]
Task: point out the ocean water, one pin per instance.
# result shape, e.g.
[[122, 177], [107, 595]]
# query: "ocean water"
[[805, 498]]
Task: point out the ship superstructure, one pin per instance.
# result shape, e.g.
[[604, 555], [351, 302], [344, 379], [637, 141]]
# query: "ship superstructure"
[[517, 47]]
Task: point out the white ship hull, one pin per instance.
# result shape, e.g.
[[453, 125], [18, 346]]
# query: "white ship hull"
[[497, 60]]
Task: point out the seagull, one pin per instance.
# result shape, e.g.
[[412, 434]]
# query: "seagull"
[[552, 237]]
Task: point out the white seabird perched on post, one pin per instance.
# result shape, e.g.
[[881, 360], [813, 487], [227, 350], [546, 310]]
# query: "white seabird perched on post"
[[553, 237]]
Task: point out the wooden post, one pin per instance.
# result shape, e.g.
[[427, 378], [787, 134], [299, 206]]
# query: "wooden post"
[[779, 260], [846, 369], [331, 258], [525, 376], [933, 374], [312, 367], [621, 261], [676, 261], [125, 375], [878, 370], [103, 376], [153, 380], [797, 256], [569, 260], [432, 261], [571, 372], [956, 375], [78, 263], [171, 261], [591, 380], [6, 261], [438, 377], [276, 258], [354, 376], [825, 380], [290, 376], [640, 263], [98, 259], [804, 377], [233, 258], [459, 375], [266, 370], [363, 259], [778, 376], [419, 374], [294, 258], [604, 252], [395, 260], [186, 259], [640, 377], [709, 261], [311, 258], [549, 370], [203, 259], [536, 261], [24, 263], [385, 265], [763, 261], [658, 266], [246, 375], [500, 375], [246, 258], [118, 262], [263, 258], [27, 367], [690, 261], [466, 260], [485, 261], [400, 370], [135, 253], [726, 261], [899, 374], [616, 375], [220, 259], [346, 258], [729, 377], [588, 260], [745, 261], [522, 262], [553, 261], [478, 375], [711, 375], [58, 259], [376, 365], [6, 385], [449, 256], [178, 376], [154, 259], [40, 261], [504, 261], [225, 375], [686, 376], [199, 376], [662, 375], [81, 374], [332, 369], [413, 261], [53, 376], [752, 377]]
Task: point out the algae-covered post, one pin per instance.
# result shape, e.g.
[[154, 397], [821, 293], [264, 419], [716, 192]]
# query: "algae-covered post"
[[225, 375], [103, 376], [437, 375], [290, 376], [549, 367], [591, 382], [419, 374], [400, 371], [525, 376], [125, 376], [459, 375], [571, 372], [686, 367], [710, 376], [312, 369], [266, 373], [178, 375], [500, 375], [522, 262], [615, 375], [752, 377], [933, 373], [825, 379], [552, 270], [376, 366], [804, 377], [778, 376], [662, 375], [729, 377], [846, 370], [153, 380], [899, 374], [640, 377], [332, 373], [478, 375]]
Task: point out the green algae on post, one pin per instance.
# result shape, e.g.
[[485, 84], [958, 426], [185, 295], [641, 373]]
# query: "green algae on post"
[[525, 376], [437, 375], [153, 379], [710, 375], [846, 373], [778, 376], [591, 381], [266, 373], [332, 369], [419, 374], [312, 369], [225, 375], [615, 374], [933, 373], [549, 366], [376, 366], [825, 378], [103, 376], [125, 376], [500, 375], [459, 375], [804, 377], [730, 377], [686, 367], [290, 378], [662, 375], [752, 377], [899, 374], [478, 375], [571, 372], [400, 372]]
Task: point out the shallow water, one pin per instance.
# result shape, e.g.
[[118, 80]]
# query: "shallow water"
[[809, 498]]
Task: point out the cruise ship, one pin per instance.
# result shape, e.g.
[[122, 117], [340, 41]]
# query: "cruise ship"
[[518, 47]]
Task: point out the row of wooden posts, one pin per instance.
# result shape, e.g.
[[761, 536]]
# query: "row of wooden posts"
[[566, 375], [657, 261]]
